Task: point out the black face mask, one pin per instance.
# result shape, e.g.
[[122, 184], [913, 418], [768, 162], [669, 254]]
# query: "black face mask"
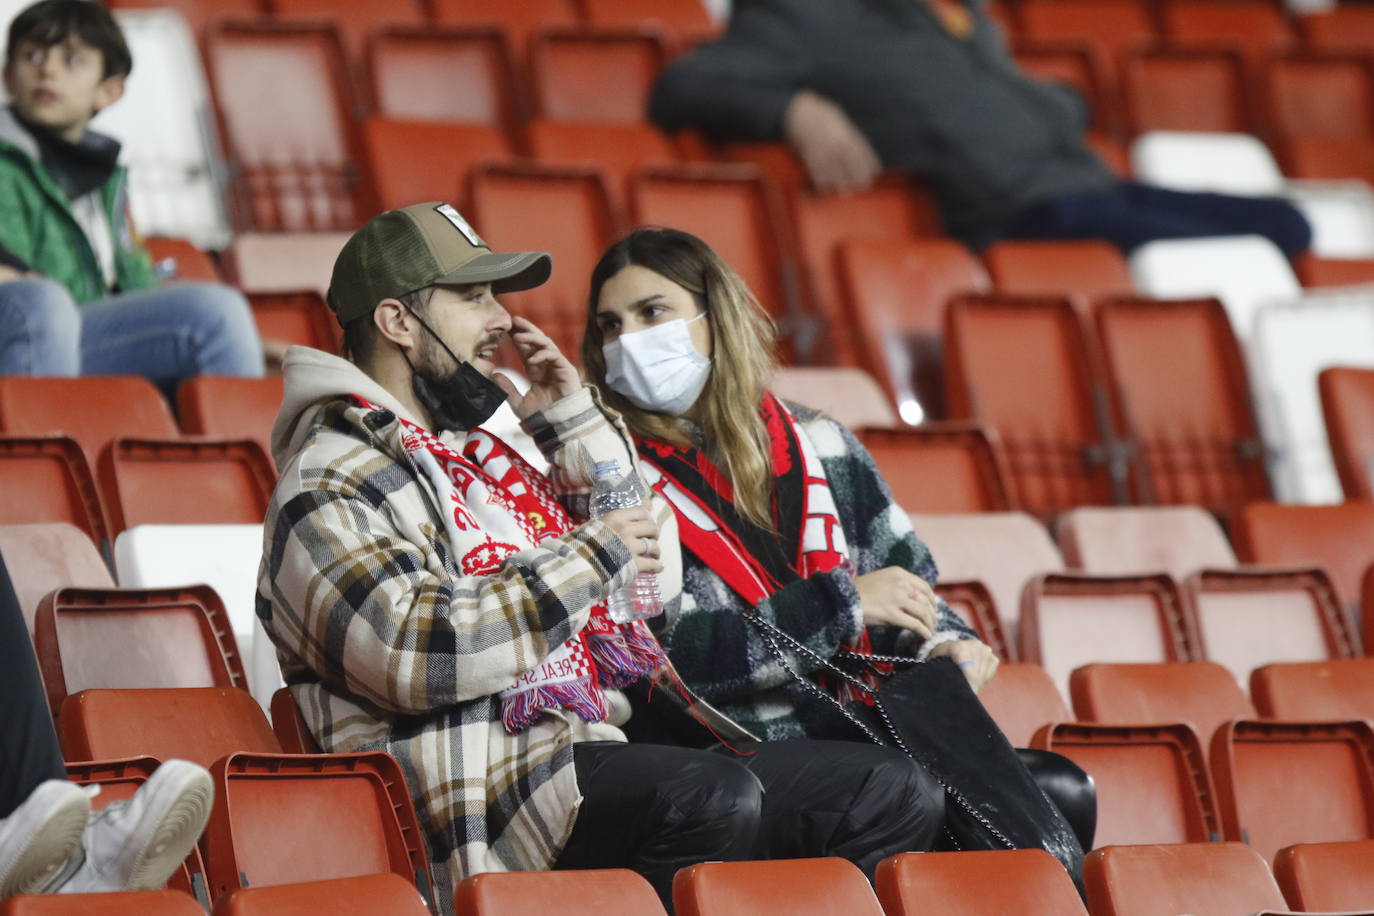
[[461, 399]]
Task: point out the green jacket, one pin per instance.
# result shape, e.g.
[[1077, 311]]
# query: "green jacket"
[[37, 225]]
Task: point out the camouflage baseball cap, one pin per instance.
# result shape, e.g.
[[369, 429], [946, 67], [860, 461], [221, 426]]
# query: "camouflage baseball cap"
[[401, 251]]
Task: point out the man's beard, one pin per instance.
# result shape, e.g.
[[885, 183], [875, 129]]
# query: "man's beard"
[[456, 395]]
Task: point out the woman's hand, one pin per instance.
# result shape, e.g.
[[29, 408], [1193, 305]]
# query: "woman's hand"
[[637, 529], [895, 597], [552, 376], [975, 659]]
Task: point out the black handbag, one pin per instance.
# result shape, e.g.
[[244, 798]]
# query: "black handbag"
[[928, 711]]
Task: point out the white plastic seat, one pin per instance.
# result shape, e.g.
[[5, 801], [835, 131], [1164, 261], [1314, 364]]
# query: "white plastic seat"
[[850, 395], [284, 262], [1134, 540]]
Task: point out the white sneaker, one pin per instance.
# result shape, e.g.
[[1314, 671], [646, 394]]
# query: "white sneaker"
[[138, 844], [40, 835]]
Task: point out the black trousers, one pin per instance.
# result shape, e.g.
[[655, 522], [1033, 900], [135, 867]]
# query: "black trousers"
[[656, 808], [29, 752]]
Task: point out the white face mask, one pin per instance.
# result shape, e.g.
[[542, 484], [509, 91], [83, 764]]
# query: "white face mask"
[[657, 368]]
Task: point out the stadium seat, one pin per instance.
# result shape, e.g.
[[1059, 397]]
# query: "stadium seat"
[[1108, 26], [289, 725], [1257, 28], [181, 259], [976, 883], [593, 892], [1003, 550], [280, 819], [413, 72], [1344, 27], [416, 161], [1347, 398], [1303, 691], [1021, 699], [680, 21], [91, 409], [296, 318], [1121, 540], [1327, 876], [354, 20], [1058, 454], [49, 480], [517, 20], [895, 293], [972, 601], [1201, 694], [1204, 879], [1185, 90], [1151, 780], [1071, 63], [1321, 95], [941, 467], [617, 148], [1252, 617], [200, 724], [122, 903], [1328, 158], [1068, 620], [298, 163], [513, 207], [283, 262], [1179, 392], [850, 395], [889, 211], [117, 638], [229, 407], [1339, 538], [42, 557], [1284, 783], [361, 896], [801, 887], [148, 482], [1111, 151], [1087, 269], [1229, 163], [198, 13], [594, 74]]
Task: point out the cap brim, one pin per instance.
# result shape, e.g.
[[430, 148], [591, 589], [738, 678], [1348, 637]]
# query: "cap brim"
[[506, 272]]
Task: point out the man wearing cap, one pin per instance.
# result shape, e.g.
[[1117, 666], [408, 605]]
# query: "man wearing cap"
[[429, 595]]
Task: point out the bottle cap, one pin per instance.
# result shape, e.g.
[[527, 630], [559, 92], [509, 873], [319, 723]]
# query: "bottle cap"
[[608, 468]]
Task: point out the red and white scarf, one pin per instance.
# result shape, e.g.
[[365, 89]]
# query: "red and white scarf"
[[494, 494]]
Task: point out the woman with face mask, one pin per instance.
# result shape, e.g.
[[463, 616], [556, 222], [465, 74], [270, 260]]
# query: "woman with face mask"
[[793, 550]]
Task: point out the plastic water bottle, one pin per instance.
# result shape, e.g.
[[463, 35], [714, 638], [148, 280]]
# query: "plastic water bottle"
[[613, 490]]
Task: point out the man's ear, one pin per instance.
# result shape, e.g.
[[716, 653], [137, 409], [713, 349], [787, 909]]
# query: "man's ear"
[[109, 91], [392, 320]]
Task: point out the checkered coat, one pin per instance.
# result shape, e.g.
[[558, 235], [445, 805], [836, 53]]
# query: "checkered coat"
[[386, 645]]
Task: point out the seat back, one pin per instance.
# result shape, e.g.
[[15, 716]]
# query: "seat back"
[[941, 467], [1068, 620], [1321, 95], [42, 557], [895, 293], [229, 407], [145, 482], [1185, 90], [1302, 691], [296, 317], [49, 481], [975, 883], [1108, 26], [363, 894], [619, 148], [1252, 617], [200, 724], [848, 394], [280, 819], [1339, 28], [1194, 429], [355, 21], [1121, 540], [1347, 396], [1285, 783], [580, 893], [1204, 879], [416, 161], [805, 887], [1228, 163], [1022, 699], [1329, 158], [1073, 63], [285, 262], [517, 21], [289, 725], [90, 409], [1257, 28], [1338, 538], [1327, 876], [972, 601], [1202, 694], [678, 20], [413, 72], [119, 903], [586, 74], [1087, 269], [1055, 446]]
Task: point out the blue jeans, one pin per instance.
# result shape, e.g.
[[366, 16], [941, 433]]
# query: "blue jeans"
[[1131, 214], [166, 334]]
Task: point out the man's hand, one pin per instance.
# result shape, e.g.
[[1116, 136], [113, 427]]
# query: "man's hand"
[[636, 528], [976, 660], [552, 377], [893, 596], [837, 155]]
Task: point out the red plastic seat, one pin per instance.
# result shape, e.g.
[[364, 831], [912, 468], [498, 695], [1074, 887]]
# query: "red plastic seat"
[[364, 894], [1201, 694], [413, 72], [976, 883], [681, 21], [355, 21], [1303, 691], [289, 725], [801, 887], [1071, 63], [91, 409], [1257, 28], [146, 482], [1321, 95], [122, 903], [283, 263], [850, 395], [1022, 699], [280, 819], [416, 161], [594, 74], [118, 638], [1057, 453], [186, 260], [1072, 620], [1252, 617], [1329, 158], [200, 724], [1327, 876], [230, 407], [1108, 26], [296, 317], [1179, 390], [1346, 27], [1187, 90], [593, 892], [619, 149], [1151, 780], [895, 293], [42, 557], [48, 480], [298, 163], [1088, 269], [1348, 405], [517, 20], [972, 601], [941, 467], [1204, 879], [1122, 540], [1284, 783]]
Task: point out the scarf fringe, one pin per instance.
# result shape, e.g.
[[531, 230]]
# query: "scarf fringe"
[[625, 654], [521, 710]]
